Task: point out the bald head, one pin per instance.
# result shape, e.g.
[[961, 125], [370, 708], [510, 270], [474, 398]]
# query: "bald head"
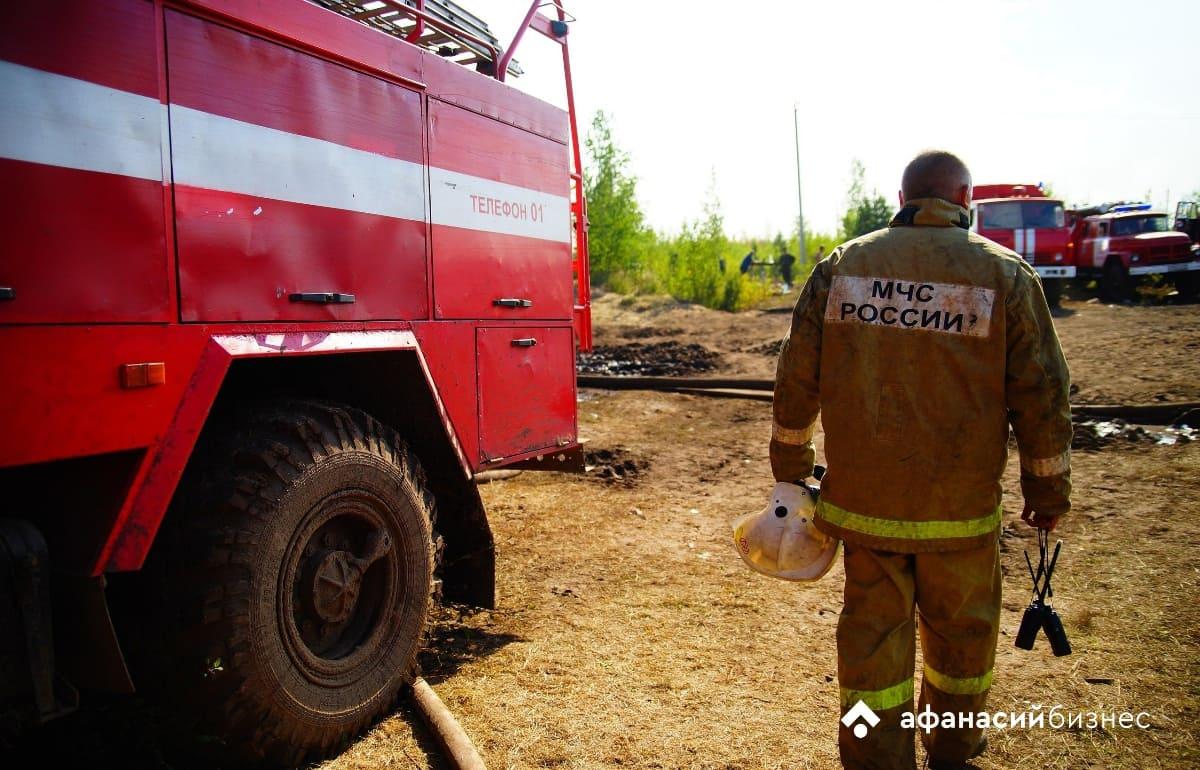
[[937, 174]]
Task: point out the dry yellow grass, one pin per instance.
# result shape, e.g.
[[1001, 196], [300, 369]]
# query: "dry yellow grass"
[[635, 638]]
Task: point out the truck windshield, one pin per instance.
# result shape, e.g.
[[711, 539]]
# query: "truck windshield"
[[1136, 225], [1013, 215]]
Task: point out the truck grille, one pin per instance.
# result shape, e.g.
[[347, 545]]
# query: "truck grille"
[[1171, 253]]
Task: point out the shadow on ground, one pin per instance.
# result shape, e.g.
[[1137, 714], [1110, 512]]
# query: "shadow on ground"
[[456, 640], [130, 733]]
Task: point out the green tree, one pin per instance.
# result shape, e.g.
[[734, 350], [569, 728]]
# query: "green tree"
[[694, 273], [693, 268], [864, 213], [617, 236], [779, 244]]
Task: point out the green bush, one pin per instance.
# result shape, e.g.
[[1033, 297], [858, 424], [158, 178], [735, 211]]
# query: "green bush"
[[627, 257]]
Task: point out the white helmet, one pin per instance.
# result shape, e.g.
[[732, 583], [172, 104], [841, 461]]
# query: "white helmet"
[[781, 540]]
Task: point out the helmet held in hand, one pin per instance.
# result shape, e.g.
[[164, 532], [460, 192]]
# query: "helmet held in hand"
[[782, 541]]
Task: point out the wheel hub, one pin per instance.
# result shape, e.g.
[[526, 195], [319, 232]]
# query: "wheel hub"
[[335, 593], [335, 585]]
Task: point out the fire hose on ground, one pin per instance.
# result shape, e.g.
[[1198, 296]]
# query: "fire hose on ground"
[[759, 389], [453, 740]]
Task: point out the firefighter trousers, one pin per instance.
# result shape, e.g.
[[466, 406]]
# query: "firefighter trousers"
[[957, 598]]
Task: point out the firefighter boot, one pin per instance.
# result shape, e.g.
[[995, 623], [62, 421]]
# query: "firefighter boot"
[[958, 600], [876, 646]]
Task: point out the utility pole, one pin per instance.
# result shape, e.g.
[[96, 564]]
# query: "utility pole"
[[799, 193]]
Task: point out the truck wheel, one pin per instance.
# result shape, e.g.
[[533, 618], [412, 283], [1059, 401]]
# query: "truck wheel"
[[1052, 287], [1115, 284], [1188, 285], [301, 571]]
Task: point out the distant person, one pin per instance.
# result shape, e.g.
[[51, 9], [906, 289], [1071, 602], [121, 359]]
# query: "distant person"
[[918, 345], [819, 255], [786, 261], [748, 260]]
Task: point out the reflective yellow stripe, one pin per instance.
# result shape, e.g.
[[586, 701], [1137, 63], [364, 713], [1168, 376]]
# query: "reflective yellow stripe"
[[880, 700], [1047, 466], [794, 436], [907, 530], [953, 685]]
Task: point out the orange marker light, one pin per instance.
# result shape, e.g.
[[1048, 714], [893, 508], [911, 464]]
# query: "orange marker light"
[[143, 375]]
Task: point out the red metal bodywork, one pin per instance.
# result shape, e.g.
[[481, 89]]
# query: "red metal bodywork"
[[1096, 241], [1044, 247], [224, 159]]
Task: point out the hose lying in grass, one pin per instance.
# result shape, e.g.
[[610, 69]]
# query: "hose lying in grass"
[[753, 388], [450, 736]]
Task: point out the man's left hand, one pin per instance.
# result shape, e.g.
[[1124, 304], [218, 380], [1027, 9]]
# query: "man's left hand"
[[1038, 520]]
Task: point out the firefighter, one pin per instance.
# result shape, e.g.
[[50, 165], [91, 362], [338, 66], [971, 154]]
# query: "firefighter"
[[918, 345], [749, 260], [785, 262]]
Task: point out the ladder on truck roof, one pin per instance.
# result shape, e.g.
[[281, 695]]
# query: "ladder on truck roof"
[[441, 26]]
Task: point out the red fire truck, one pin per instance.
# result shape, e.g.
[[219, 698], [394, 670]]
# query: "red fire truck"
[[278, 277], [1118, 244], [1187, 221], [1021, 217]]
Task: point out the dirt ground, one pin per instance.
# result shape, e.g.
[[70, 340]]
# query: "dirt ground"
[[1118, 353], [630, 635]]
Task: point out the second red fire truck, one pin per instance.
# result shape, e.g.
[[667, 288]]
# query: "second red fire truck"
[[1021, 217], [1119, 245], [1116, 245]]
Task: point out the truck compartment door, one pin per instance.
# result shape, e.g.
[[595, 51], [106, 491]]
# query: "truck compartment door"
[[500, 219], [526, 389], [81, 164], [299, 183]]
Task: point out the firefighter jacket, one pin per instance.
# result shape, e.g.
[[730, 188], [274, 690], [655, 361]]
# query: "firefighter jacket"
[[918, 345]]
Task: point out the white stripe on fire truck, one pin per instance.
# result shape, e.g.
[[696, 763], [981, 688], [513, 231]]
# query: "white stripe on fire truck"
[[1019, 241], [219, 153], [61, 121], [474, 203]]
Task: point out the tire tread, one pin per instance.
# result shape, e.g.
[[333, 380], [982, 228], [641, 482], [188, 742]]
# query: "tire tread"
[[212, 532]]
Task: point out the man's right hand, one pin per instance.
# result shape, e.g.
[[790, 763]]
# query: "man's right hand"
[[1038, 520]]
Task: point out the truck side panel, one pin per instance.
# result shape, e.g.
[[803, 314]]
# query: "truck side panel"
[[62, 389], [500, 219], [449, 351], [518, 366], [81, 155], [342, 38], [292, 175]]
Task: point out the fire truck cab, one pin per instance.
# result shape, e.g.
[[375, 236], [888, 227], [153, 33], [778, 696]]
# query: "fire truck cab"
[[1022, 218], [278, 279], [1118, 244], [1187, 221]]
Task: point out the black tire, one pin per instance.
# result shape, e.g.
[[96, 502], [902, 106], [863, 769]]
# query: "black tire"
[[1053, 288], [284, 646], [1080, 288], [1115, 284], [1188, 285]]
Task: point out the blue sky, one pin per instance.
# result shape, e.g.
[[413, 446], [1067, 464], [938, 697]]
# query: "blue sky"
[[1098, 99]]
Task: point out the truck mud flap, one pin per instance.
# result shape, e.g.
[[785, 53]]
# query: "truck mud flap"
[[26, 632]]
